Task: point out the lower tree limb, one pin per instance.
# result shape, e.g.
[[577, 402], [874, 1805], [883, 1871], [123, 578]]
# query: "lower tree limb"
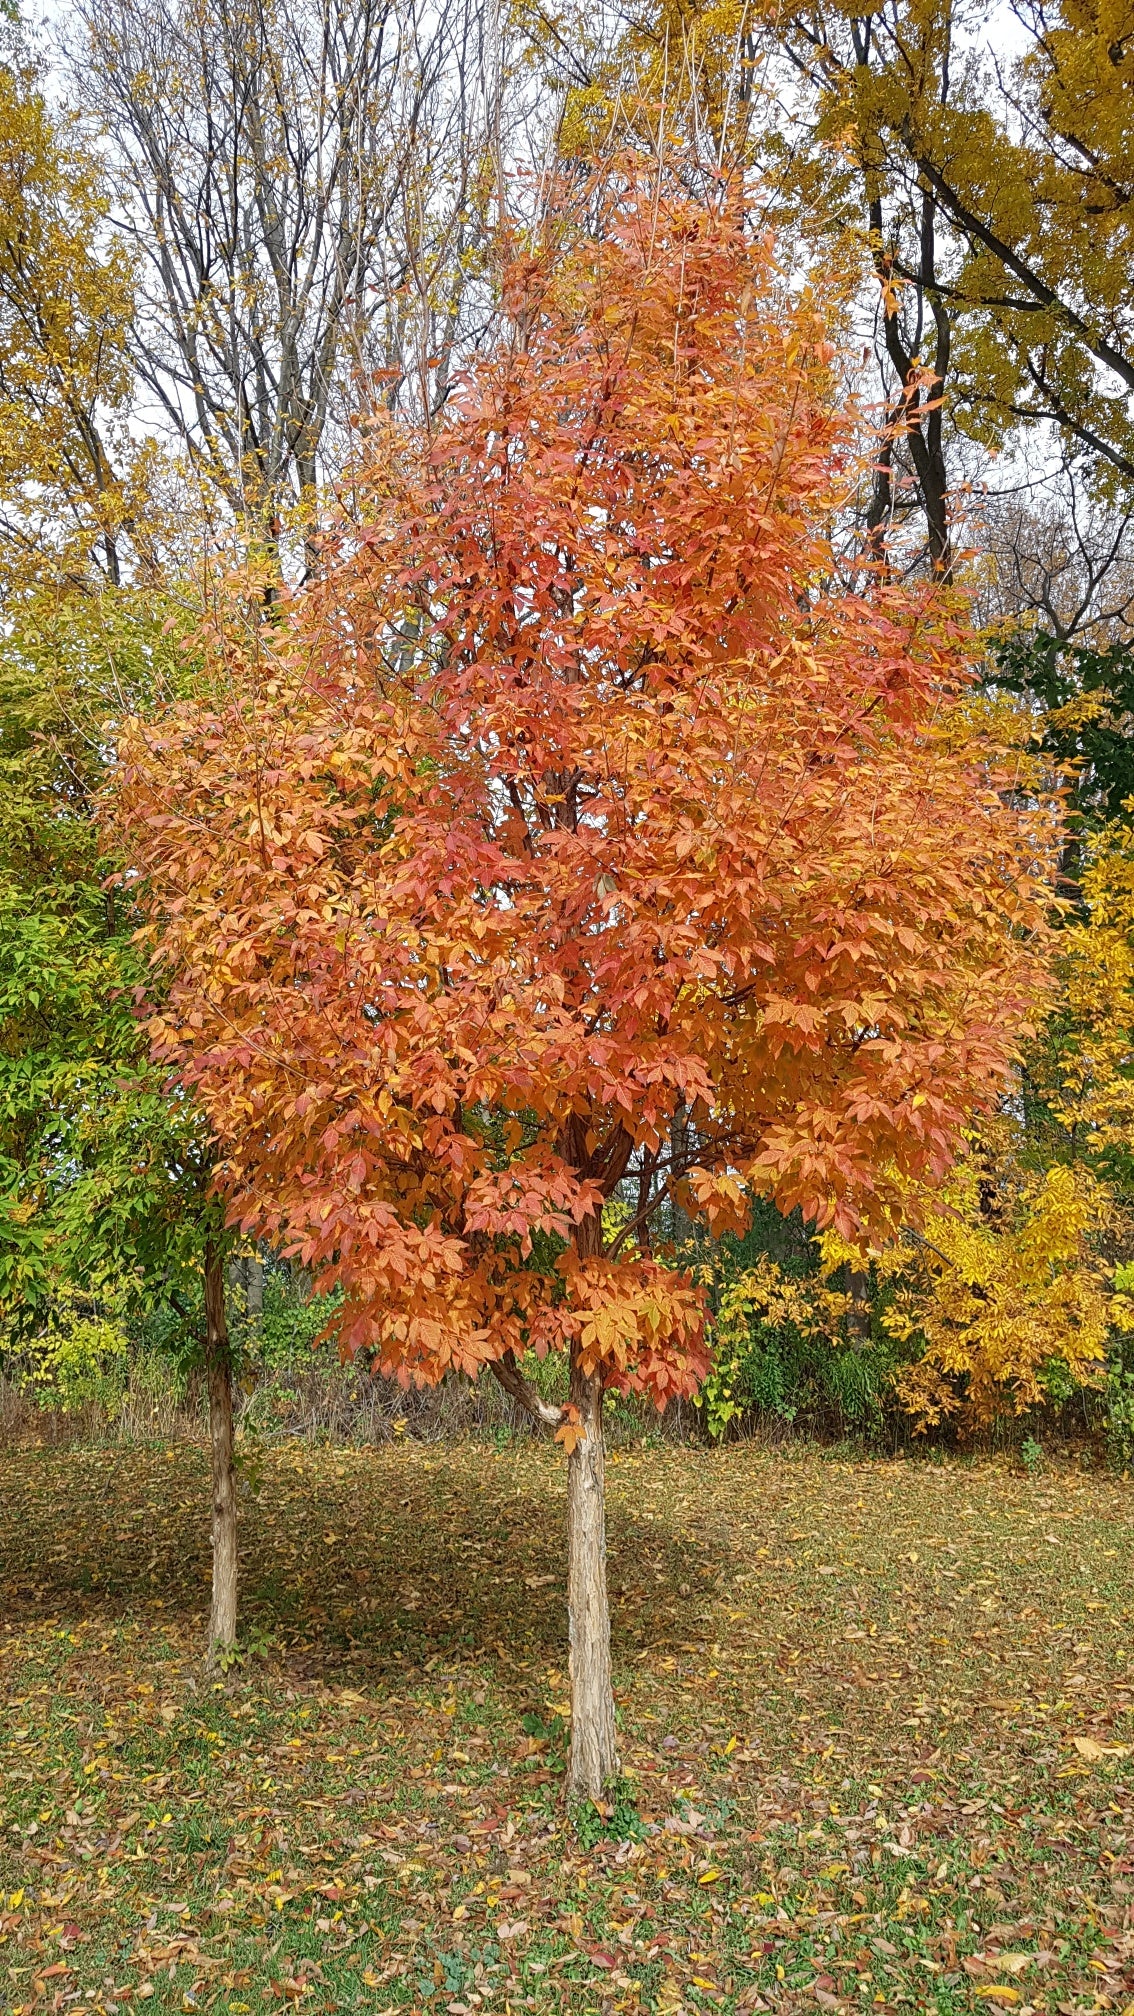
[[507, 1374], [594, 1758], [218, 1368]]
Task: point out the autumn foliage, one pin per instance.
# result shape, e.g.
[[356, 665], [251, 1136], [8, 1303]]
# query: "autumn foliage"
[[585, 792]]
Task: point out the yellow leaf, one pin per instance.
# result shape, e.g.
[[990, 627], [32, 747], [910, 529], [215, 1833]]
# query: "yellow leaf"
[[1092, 1751], [998, 1993]]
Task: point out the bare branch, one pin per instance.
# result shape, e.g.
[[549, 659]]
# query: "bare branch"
[[508, 1375]]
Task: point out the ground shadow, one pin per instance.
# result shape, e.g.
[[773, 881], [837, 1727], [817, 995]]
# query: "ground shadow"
[[373, 1566]]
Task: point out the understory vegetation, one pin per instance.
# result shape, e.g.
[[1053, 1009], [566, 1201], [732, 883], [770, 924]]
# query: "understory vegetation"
[[798, 1358]]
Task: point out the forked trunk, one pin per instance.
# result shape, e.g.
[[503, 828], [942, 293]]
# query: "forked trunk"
[[593, 1756], [218, 1367]]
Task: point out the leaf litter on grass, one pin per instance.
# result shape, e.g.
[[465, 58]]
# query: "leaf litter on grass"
[[875, 1718]]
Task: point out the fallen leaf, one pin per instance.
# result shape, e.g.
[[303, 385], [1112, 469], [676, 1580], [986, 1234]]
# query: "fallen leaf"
[[1092, 1751]]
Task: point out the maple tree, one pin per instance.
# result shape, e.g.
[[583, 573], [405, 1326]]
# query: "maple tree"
[[580, 833]]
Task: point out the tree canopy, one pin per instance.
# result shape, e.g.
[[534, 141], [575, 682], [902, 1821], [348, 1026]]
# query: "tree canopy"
[[585, 823]]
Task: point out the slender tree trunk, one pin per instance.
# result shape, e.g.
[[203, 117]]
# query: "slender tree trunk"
[[254, 1276], [593, 1758], [218, 1367], [679, 1155], [593, 1755], [859, 1312], [921, 406], [881, 507]]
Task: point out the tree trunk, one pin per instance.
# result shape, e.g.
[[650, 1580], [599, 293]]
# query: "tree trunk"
[[593, 1758], [254, 1277], [858, 1316], [679, 1156], [218, 1367]]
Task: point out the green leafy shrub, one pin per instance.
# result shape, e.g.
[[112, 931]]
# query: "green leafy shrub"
[[80, 1359], [1120, 1417], [289, 1326], [787, 1348]]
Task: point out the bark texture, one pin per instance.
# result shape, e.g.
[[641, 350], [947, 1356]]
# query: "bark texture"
[[218, 1367], [594, 1758]]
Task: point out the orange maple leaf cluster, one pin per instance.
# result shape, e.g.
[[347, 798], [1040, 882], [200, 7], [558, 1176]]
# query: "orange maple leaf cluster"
[[582, 791]]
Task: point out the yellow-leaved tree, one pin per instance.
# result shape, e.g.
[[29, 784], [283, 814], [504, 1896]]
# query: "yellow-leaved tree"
[[1021, 1263], [1095, 1099], [1005, 1299], [74, 480], [1000, 1301]]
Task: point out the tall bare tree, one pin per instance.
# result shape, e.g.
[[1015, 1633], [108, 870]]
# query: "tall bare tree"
[[1057, 556], [301, 179]]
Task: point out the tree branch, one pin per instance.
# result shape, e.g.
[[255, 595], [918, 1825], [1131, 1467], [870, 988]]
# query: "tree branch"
[[507, 1374], [977, 229]]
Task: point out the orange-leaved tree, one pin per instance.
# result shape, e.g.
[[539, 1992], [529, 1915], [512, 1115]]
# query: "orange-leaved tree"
[[579, 833]]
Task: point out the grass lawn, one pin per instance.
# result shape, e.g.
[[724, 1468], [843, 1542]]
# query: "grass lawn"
[[875, 1729]]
